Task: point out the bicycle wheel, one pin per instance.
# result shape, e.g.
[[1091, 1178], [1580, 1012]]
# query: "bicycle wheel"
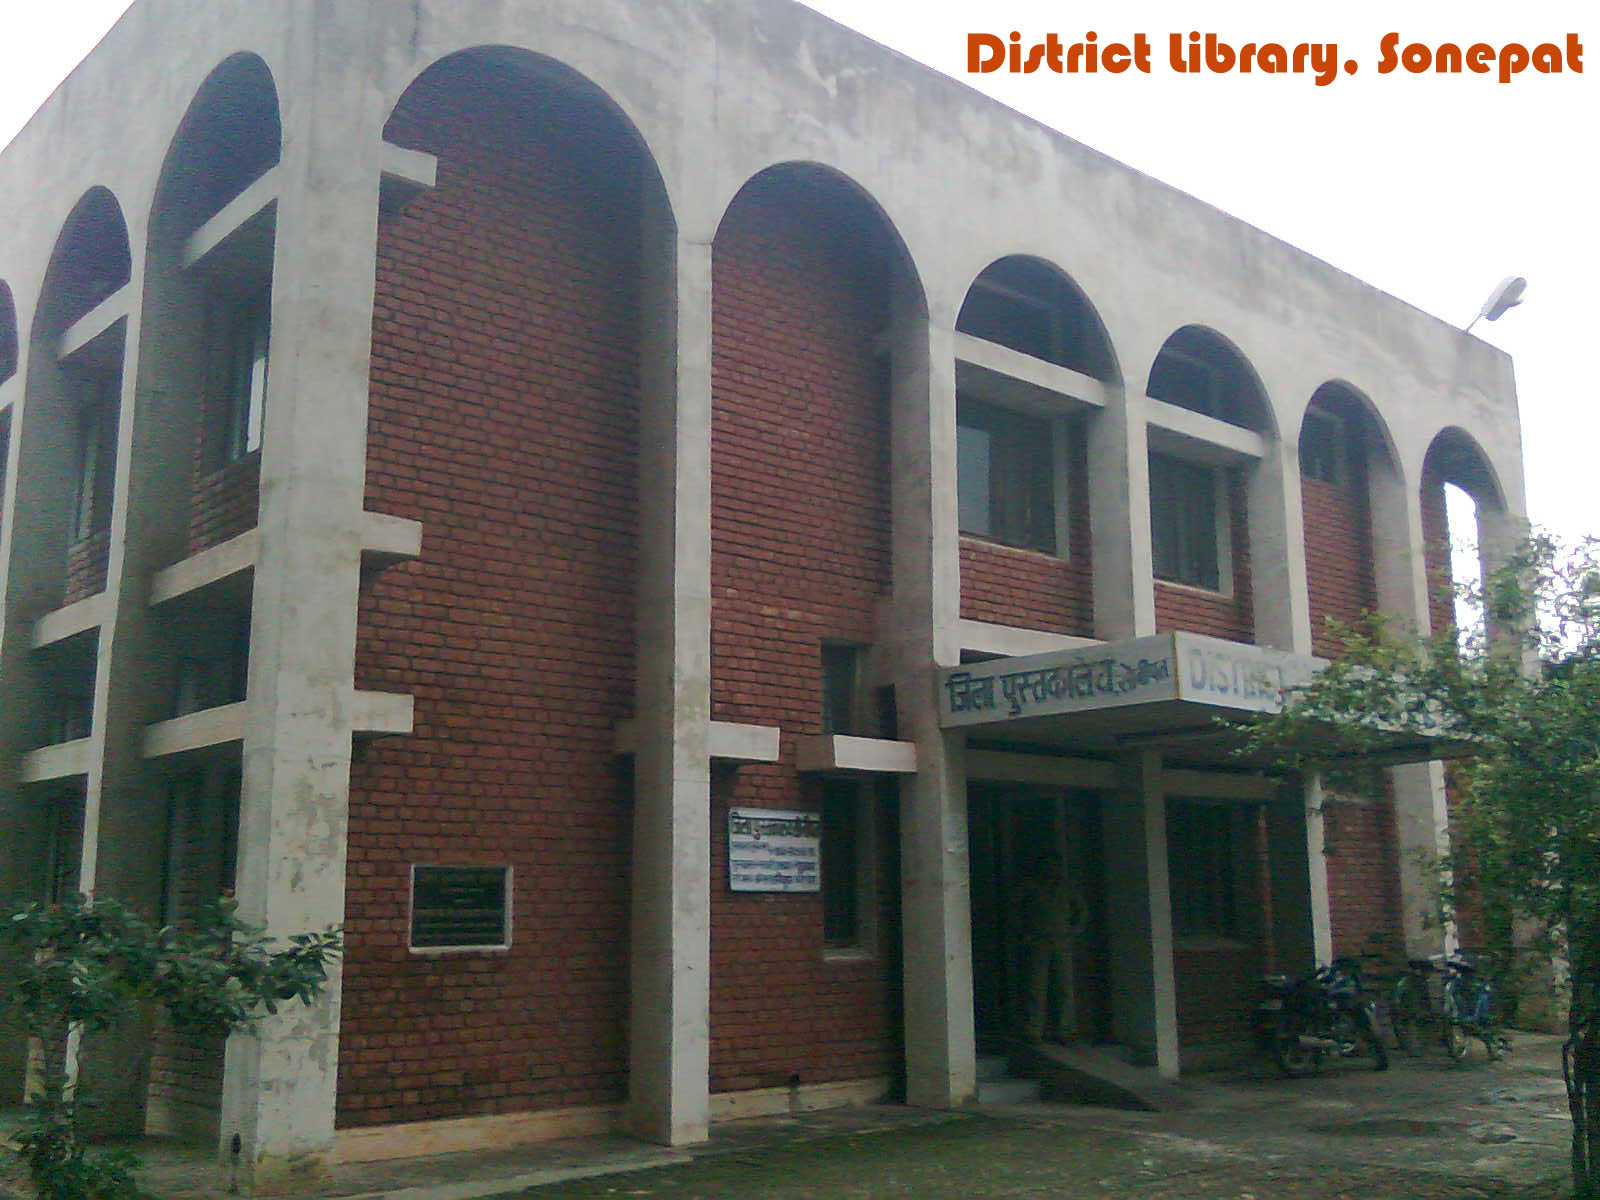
[[1408, 1017], [1373, 1036]]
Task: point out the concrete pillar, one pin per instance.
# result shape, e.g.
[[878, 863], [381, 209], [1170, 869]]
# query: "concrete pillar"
[[1144, 1001], [279, 1084], [1282, 603], [936, 904], [1421, 814], [1301, 932], [1119, 518], [669, 1051]]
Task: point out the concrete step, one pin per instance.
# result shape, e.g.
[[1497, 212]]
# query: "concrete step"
[[1102, 1075], [991, 1067], [1008, 1091]]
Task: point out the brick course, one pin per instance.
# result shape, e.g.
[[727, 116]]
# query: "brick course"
[[504, 417]]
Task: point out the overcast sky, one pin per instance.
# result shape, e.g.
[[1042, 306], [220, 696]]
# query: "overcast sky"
[[1430, 187]]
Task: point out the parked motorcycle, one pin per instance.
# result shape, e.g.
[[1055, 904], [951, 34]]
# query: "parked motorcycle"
[[1327, 1013]]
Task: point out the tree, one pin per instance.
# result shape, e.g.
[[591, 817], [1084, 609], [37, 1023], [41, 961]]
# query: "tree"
[[88, 965], [1521, 694]]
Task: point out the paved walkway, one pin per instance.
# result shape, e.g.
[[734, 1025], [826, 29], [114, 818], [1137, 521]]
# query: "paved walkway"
[[1424, 1130]]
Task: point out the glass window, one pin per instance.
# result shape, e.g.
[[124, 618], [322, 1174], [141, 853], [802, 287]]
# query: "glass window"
[[839, 675], [91, 508], [1320, 440], [1183, 522], [1005, 477], [246, 342], [841, 867]]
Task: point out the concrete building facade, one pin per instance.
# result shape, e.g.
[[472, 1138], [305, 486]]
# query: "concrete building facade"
[[464, 462]]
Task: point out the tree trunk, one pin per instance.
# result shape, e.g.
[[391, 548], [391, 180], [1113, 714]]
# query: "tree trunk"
[[1580, 1067]]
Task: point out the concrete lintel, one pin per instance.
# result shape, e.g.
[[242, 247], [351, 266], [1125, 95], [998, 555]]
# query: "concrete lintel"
[[197, 731], [1218, 785], [60, 761], [97, 322], [1002, 766], [79, 617], [860, 755], [406, 174], [990, 371], [730, 741], [1195, 436], [248, 210], [386, 540], [206, 569], [987, 637], [374, 713]]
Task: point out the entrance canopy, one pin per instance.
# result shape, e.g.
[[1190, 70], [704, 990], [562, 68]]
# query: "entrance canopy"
[[1183, 693]]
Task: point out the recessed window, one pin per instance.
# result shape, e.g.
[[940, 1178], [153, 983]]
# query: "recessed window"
[[840, 677], [1012, 318], [91, 506], [460, 908], [64, 853], [216, 673], [244, 343], [1189, 381], [1184, 541], [1321, 443], [847, 867], [202, 841], [1200, 862], [1005, 477]]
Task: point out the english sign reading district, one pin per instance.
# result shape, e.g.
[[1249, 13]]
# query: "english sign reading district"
[[771, 850]]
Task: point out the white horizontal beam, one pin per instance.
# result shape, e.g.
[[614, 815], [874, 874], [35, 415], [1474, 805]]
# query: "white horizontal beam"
[[1000, 766], [69, 621], [211, 566], [98, 321], [235, 215], [1217, 785], [986, 637], [382, 713], [871, 756], [405, 174], [197, 731], [730, 741], [990, 371], [1195, 436], [386, 539], [60, 761]]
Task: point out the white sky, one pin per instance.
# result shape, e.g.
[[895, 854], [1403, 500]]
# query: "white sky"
[[1430, 187]]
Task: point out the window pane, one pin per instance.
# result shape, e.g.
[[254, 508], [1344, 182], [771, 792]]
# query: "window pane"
[[974, 450], [841, 917], [1183, 522], [839, 689]]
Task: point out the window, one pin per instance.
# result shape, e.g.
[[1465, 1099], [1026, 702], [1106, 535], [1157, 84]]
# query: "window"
[[1184, 541], [63, 854], [1200, 867], [840, 670], [845, 865], [460, 908], [1012, 318], [216, 677], [244, 349], [1188, 381], [1005, 477], [1321, 440], [202, 841]]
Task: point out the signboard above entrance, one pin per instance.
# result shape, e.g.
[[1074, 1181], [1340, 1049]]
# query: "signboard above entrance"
[[1149, 670]]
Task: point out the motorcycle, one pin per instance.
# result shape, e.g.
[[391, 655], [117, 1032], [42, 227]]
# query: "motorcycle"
[[1327, 1013]]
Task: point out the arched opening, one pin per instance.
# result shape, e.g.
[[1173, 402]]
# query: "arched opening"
[[1344, 451], [808, 278], [1022, 450], [8, 334], [1199, 487], [509, 351], [1458, 491], [204, 338]]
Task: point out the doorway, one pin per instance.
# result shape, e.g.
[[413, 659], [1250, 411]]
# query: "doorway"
[[1011, 828]]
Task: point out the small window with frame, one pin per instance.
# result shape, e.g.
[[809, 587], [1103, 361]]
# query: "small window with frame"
[[847, 869], [243, 334], [1006, 476], [1322, 448], [460, 908], [1200, 852], [1187, 540]]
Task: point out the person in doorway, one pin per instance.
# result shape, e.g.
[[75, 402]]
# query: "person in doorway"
[[1054, 915]]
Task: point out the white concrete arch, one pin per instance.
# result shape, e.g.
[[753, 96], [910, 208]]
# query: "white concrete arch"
[[1109, 370], [1202, 338], [1347, 395], [1459, 458]]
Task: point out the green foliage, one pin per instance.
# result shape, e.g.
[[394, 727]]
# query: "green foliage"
[[1520, 697], [89, 964]]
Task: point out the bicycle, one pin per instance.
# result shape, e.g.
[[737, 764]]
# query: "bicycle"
[[1470, 1008]]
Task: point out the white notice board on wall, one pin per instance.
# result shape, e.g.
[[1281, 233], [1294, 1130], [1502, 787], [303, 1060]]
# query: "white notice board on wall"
[[772, 850]]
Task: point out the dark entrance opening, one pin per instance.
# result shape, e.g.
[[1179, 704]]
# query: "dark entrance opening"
[[1011, 828]]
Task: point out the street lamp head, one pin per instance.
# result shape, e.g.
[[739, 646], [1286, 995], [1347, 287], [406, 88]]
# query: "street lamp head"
[[1506, 295]]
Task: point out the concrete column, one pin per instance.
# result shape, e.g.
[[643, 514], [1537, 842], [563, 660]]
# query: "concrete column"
[[1421, 814], [1282, 603], [279, 1084], [1119, 518], [669, 1052], [1144, 991], [936, 905], [1302, 934]]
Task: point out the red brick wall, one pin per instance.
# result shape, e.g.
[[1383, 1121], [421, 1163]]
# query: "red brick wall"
[[800, 554], [504, 417], [1216, 988], [1436, 552], [1362, 848], [1197, 611], [224, 501], [1030, 589], [86, 566], [1339, 574]]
